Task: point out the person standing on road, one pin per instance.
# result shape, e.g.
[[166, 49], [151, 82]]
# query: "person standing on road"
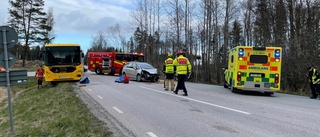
[[39, 75], [183, 69], [168, 69], [314, 80]]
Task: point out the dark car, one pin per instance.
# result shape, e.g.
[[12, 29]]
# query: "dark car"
[[140, 71]]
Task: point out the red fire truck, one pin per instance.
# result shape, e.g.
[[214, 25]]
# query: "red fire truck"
[[111, 62]]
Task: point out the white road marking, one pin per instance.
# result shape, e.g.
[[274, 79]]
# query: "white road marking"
[[151, 134], [118, 110], [199, 101], [89, 89], [99, 97]]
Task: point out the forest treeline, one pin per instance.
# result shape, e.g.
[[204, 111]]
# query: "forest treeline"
[[207, 29]]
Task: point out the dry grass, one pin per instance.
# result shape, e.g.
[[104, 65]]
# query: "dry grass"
[[50, 111], [3, 93], [29, 65]]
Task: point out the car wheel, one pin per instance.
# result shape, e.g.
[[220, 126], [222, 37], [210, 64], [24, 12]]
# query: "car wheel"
[[153, 80], [124, 74], [139, 77], [268, 93], [98, 71]]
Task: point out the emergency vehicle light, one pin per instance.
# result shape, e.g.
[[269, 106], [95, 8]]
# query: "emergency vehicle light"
[[277, 60], [277, 53], [276, 79], [241, 52], [240, 58], [239, 76]]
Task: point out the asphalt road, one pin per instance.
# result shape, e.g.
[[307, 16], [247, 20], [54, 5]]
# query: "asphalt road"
[[146, 110], [31, 74]]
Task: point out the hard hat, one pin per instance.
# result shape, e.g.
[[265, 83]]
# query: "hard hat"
[[169, 55], [179, 52]]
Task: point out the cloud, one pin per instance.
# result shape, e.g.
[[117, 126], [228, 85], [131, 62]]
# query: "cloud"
[[87, 16], [76, 21], [4, 12]]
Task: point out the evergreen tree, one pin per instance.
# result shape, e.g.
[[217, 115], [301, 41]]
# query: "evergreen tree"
[[236, 35], [262, 23], [28, 19], [46, 29]]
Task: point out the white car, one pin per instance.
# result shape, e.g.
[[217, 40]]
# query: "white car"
[[140, 71]]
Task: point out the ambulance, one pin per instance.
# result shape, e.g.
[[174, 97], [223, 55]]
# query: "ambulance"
[[254, 69]]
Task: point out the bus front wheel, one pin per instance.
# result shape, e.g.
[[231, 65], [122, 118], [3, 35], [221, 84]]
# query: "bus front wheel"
[[54, 83]]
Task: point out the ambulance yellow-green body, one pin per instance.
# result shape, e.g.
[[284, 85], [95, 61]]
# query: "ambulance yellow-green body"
[[254, 69]]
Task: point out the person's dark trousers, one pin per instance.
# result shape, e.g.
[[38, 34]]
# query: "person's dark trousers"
[[313, 90], [181, 84], [317, 90]]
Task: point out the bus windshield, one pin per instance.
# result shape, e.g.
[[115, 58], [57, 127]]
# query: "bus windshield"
[[62, 56]]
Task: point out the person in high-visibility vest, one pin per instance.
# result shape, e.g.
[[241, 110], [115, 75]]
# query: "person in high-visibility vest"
[[183, 68], [314, 80], [168, 69]]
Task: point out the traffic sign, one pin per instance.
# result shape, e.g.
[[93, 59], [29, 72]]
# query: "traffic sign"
[[11, 36], [11, 59], [17, 77]]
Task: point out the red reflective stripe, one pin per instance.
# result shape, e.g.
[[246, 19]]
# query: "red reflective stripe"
[[271, 59], [274, 68], [268, 64], [250, 64], [242, 67], [169, 61], [270, 49], [182, 61]]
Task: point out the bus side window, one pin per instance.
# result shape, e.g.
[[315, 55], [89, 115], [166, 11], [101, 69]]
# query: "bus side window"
[[232, 59]]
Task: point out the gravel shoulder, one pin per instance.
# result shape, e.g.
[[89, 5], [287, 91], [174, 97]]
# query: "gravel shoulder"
[[101, 114]]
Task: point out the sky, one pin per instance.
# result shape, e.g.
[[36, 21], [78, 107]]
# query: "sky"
[[77, 21]]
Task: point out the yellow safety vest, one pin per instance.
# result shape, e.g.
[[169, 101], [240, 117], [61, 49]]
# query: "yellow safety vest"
[[169, 66], [183, 65], [314, 77]]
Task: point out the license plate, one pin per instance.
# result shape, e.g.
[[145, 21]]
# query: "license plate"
[[63, 77], [255, 75]]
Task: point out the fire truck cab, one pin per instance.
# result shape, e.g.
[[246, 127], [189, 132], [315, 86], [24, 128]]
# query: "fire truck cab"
[[111, 62]]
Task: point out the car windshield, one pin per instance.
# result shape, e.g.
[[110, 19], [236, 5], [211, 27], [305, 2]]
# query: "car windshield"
[[145, 66]]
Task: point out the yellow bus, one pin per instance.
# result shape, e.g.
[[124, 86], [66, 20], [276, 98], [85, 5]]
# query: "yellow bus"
[[254, 69], [62, 62]]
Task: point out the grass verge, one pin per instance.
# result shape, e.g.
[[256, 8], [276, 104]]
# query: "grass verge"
[[50, 111]]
